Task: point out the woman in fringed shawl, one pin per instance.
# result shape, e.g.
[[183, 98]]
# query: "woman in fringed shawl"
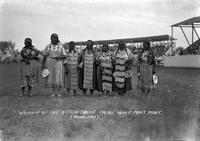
[[146, 69], [105, 68], [122, 60], [53, 61], [87, 69], [71, 69], [28, 67]]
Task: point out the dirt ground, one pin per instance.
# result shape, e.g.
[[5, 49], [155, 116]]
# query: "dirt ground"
[[176, 101]]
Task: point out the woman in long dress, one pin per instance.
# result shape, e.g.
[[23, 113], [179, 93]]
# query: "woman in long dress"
[[28, 67], [146, 69], [122, 61], [71, 69], [53, 61], [87, 69], [105, 68]]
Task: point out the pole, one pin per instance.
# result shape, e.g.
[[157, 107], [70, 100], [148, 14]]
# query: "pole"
[[196, 33], [172, 35], [192, 33], [185, 36]]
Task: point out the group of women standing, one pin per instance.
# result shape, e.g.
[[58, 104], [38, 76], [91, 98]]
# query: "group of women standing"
[[85, 70]]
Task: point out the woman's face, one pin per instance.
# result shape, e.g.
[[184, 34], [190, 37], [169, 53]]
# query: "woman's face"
[[104, 48], [54, 40], [71, 46], [146, 46], [27, 43], [121, 46], [89, 45]]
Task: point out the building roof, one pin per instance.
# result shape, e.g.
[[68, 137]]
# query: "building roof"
[[189, 22], [132, 40]]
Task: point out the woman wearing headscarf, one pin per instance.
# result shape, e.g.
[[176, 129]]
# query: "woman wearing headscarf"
[[71, 69], [28, 67], [105, 67], [87, 69], [122, 60], [146, 69], [53, 61]]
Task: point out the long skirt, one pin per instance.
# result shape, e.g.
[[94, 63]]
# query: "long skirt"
[[29, 74], [88, 77], [55, 78], [71, 78], [145, 82], [134, 79], [105, 80]]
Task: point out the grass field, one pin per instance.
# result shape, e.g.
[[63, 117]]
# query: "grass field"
[[177, 97]]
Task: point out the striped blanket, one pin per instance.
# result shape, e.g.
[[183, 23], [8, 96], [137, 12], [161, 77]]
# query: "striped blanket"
[[119, 74], [106, 63], [88, 71]]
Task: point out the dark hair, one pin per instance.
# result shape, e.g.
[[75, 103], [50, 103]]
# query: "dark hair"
[[146, 47], [55, 36], [147, 42], [71, 43], [28, 40], [90, 41], [92, 45], [122, 43], [105, 45]]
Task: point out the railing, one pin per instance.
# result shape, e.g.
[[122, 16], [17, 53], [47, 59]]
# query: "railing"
[[193, 48]]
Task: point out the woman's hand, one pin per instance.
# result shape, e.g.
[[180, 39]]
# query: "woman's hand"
[[98, 62], [62, 56], [138, 74], [101, 68], [66, 68], [80, 65], [55, 58], [43, 62], [27, 62], [42, 66]]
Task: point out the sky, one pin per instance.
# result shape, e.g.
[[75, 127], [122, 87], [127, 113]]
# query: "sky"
[[80, 20]]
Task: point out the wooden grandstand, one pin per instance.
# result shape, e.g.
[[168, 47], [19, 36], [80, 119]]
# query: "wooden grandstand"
[[193, 23]]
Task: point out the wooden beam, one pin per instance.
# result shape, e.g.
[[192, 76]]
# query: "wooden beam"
[[196, 33], [185, 36], [192, 33], [130, 40]]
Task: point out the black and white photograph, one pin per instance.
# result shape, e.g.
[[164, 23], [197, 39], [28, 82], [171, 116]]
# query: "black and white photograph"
[[99, 70]]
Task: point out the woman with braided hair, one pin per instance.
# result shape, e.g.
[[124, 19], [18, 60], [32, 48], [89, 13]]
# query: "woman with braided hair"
[[53, 61], [87, 69], [28, 67], [71, 69], [105, 68], [145, 69], [122, 62]]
